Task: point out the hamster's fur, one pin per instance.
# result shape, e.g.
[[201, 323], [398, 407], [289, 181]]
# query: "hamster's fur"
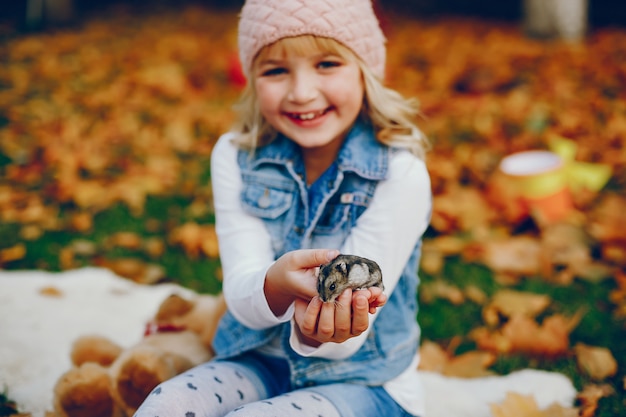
[[347, 271]]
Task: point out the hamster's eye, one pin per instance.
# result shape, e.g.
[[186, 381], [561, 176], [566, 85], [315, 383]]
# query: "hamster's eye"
[[332, 286]]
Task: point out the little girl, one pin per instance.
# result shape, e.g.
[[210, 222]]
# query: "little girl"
[[323, 160]]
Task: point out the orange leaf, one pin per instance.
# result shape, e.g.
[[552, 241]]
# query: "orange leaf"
[[196, 239], [515, 255], [135, 269], [127, 240], [432, 357], [518, 405], [470, 364], [441, 289], [467, 365], [13, 253], [524, 335], [551, 338], [509, 303], [460, 209], [590, 396]]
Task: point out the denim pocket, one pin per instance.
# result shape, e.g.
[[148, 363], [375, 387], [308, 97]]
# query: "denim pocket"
[[266, 199]]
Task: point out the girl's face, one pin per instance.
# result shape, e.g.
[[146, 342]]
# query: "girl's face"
[[313, 98]]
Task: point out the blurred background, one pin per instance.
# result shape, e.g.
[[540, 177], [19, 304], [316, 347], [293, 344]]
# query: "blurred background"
[[109, 110], [31, 14]]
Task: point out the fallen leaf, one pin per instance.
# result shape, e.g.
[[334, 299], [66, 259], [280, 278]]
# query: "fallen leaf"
[[566, 254], [471, 364], [509, 303], [12, 253], [440, 289], [134, 269], [448, 245], [154, 247], [518, 405], [476, 294], [522, 334], [618, 295], [607, 219], [66, 258], [517, 255], [597, 362], [127, 240], [432, 357], [31, 232], [81, 221], [51, 292], [196, 239], [460, 209], [432, 259], [590, 396]]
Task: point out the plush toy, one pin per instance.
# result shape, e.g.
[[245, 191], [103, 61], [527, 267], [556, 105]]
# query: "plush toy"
[[107, 380]]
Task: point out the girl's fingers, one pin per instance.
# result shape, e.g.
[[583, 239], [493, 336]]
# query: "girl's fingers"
[[343, 316], [326, 324], [346, 317], [306, 315], [311, 258], [375, 296], [360, 318]]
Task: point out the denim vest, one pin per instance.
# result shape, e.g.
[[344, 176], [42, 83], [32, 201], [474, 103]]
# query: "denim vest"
[[274, 190]]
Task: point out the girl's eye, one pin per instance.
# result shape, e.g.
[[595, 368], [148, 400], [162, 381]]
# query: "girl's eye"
[[273, 71], [328, 64]]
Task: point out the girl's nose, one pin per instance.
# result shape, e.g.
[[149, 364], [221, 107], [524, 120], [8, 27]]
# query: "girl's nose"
[[303, 88]]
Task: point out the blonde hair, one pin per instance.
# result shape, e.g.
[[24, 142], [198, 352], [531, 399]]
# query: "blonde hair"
[[391, 114]]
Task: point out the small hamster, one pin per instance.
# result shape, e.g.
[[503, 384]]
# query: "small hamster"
[[347, 271]]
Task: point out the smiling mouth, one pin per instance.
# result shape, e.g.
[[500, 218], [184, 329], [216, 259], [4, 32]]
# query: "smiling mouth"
[[307, 116]]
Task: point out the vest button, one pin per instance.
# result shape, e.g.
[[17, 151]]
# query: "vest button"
[[264, 201], [298, 230]]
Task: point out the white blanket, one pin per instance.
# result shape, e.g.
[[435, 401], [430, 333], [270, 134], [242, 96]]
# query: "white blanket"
[[37, 330]]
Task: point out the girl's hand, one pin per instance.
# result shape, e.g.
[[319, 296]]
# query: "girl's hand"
[[293, 276], [337, 322], [375, 298]]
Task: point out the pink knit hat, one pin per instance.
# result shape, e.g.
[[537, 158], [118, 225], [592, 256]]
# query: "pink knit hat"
[[351, 22]]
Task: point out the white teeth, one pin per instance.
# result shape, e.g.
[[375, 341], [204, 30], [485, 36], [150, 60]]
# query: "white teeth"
[[307, 116]]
